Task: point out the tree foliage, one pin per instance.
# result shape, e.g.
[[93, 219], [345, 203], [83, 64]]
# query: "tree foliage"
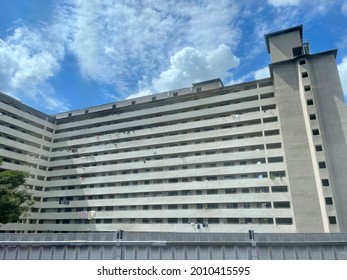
[[14, 201]]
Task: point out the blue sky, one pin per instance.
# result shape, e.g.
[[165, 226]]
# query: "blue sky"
[[62, 55]]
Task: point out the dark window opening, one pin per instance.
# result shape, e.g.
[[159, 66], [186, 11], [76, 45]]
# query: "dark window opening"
[[309, 102], [274, 159], [307, 88], [325, 183], [315, 131], [304, 74], [313, 117], [282, 204], [322, 164], [284, 221], [332, 220], [279, 189], [273, 146], [272, 132], [297, 51], [319, 148], [329, 201]]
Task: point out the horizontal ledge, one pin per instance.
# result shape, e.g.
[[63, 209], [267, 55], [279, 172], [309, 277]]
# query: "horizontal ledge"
[[159, 243]]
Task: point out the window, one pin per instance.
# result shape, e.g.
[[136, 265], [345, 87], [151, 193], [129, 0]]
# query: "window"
[[213, 220], [315, 131], [172, 220], [212, 206], [279, 189], [297, 51], [325, 183], [309, 102], [304, 74], [176, 93], [302, 62], [332, 220], [284, 221], [133, 102], [265, 221], [266, 95], [313, 117], [154, 98], [173, 181], [198, 89], [282, 204], [232, 205], [322, 164], [268, 120], [212, 191], [273, 146], [319, 148], [272, 132], [329, 201], [307, 88], [274, 159], [233, 220]]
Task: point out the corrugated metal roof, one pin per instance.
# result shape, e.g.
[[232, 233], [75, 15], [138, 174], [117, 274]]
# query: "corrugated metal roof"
[[167, 246]]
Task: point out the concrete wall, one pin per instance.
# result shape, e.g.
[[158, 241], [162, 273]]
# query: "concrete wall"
[[332, 116], [302, 180], [281, 46]]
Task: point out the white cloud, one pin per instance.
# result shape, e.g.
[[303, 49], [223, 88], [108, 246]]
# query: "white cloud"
[[280, 3], [28, 58], [342, 67], [344, 8], [141, 93], [262, 73], [125, 43], [190, 65]]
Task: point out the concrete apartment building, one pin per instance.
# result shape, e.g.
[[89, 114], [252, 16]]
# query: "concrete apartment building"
[[268, 155]]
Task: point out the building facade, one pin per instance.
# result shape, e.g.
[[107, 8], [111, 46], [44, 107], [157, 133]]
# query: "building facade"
[[268, 155]]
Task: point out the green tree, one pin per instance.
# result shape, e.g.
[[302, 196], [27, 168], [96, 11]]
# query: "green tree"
[[14, 201]]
